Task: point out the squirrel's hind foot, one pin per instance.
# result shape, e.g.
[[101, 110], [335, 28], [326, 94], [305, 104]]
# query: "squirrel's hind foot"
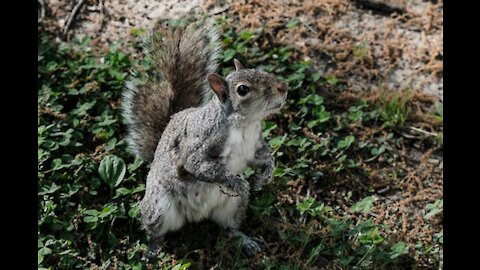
[[251, 245], [154, 247]]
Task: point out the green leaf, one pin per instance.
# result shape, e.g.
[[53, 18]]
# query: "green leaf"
[[435, 208], [181, 266], [40, 257], [312, 207], [296, 77], [83, 108], [247, 35], [90, 219], [439, 110], [137, 266], [293, 23], [112, 170], [123, 191], [279, 171], [49, 189], [371, 237], [316, 76], [42, 252], [332, 80], [305, 205], [355, 115], [135, 165], [432, 213], [92, 212], [346, 142], [134, 212], [107, 210], [317, 100], [322, 115], [312, 124], [228, 55], [268, 127], [365, 205], [398, 249], [137, 32], [277, 141], [377, 151], [57, 163], [111, 145]]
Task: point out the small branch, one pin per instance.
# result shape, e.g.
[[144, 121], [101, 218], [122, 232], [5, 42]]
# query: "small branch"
[[312, 135], [424, 131], [71, 16], [219, 10], [42, 8], [102, 11], [383, 190]]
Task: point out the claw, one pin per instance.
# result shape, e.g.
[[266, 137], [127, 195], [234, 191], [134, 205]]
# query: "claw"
[[153, 248], [256, 239], [148, 256], [251, 246]]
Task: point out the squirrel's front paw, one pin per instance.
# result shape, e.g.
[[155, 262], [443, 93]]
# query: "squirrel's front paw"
[[259, 162], [238, 186], [251, 245], [262, 178]]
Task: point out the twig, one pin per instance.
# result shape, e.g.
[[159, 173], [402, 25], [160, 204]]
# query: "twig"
[[42, 8], [102, 11], [218, 11], [383, 190], [424, 131], [71, 16]]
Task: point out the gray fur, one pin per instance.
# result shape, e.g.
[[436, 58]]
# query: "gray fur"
[[182, 58], [196, 172]]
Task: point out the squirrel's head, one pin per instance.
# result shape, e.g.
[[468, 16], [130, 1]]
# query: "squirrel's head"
[[252, 93]]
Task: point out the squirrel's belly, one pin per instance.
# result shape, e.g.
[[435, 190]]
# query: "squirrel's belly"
[[206, 200]]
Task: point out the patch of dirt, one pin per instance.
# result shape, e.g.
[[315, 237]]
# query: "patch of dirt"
[[113, 20], [351, 40], [362, 48]]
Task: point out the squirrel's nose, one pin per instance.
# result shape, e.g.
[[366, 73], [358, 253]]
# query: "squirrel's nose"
[[282, 87]]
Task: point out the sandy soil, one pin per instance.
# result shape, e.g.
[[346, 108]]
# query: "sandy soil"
[[364, 47]]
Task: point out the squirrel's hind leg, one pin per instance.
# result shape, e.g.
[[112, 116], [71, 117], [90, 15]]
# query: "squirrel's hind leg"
[[230, 216], [159, 216]]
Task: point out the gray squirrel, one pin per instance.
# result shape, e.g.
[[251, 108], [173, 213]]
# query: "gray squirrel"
[[198, 141]]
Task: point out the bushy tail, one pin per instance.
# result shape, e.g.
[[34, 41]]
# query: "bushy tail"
[[182, 57]]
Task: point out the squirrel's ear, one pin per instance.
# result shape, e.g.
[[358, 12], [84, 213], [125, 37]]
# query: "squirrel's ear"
[[238, 65], [218, 85]]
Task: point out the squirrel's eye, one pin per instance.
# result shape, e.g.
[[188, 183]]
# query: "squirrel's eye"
[[242, 90]]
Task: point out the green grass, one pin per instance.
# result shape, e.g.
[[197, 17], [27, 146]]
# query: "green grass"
[[89, 186], [393, 108]]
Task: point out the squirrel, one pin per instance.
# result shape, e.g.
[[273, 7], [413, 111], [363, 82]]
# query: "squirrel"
[[199, 132]]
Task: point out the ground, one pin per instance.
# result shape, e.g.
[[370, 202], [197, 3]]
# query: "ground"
[[358, 148], [397, 51]]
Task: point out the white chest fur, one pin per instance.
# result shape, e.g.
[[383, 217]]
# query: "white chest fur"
[[240, 147]]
